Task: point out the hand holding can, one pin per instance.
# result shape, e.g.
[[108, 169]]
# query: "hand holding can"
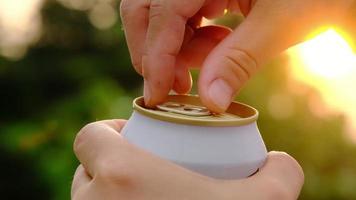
[[112, 168]]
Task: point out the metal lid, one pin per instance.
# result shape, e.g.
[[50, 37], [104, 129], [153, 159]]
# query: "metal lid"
[[188, 109]]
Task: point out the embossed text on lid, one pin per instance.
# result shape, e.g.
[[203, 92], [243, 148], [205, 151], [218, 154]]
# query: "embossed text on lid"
[[184, 109]]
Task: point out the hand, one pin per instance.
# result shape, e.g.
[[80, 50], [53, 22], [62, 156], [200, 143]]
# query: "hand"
[[111, 168], [165, 39]]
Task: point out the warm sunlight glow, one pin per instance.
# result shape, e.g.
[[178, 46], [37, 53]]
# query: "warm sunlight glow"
[[20, 25], [328, 55], [327, 63]]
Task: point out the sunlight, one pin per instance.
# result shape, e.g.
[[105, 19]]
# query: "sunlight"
[[20, 25], [328, 55], [327, 63]]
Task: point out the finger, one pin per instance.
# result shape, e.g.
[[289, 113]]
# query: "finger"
[[108, 158], [238, 56], [96, 142], [183, 80], [204, 39], [280, 178], [282, 172], [134, 16], [165, 35], [81, 179], [194, 52]]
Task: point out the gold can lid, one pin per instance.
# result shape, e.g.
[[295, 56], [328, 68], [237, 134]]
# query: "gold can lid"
[[188, 109]]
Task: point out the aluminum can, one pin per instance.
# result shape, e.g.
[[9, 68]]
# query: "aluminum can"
[[183, 131]]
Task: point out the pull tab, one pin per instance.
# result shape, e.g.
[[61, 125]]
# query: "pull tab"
[[184, 109]]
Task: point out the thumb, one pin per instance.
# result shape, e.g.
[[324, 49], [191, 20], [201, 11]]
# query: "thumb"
[[269, 28], [280, 178]]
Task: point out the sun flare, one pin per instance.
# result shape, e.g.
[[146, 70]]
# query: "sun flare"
[[328, 55], [327, 63]]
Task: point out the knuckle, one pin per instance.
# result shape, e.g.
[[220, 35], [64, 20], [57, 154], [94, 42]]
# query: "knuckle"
[[242, 64], [155, 14], [157, 4], [157, 9], [84, 135]]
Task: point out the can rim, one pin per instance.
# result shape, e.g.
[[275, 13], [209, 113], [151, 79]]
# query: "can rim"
[[247, 114]]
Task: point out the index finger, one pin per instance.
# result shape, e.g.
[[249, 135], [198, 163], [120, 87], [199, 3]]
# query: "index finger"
[[96, 143], [80, 180], [165, 35], [134, 16]]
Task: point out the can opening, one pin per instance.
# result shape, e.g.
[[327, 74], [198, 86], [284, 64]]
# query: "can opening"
[[188, 109]]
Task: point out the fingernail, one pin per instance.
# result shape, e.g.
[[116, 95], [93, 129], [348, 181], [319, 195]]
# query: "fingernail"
[[220, 92], [146, 93]]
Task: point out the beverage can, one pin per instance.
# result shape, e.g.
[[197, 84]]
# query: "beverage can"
[[183, 131]]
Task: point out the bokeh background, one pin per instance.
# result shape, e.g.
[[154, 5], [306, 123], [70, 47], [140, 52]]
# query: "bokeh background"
[[65, 63]]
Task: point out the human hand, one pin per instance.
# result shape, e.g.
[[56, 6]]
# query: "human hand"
[[111, 168], [165, 39]]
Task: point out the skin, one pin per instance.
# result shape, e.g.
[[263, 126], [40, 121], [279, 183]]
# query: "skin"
[[111, 168], [165, 40]]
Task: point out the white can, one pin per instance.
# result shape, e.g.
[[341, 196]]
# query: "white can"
[[224, 146]]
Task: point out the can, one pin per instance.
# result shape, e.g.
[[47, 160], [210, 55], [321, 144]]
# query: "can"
[[183, 131]]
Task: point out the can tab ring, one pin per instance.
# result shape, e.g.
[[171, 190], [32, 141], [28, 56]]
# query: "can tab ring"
[[184, 109]]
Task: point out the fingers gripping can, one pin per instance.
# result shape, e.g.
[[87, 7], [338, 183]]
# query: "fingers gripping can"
[[225, 146]]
